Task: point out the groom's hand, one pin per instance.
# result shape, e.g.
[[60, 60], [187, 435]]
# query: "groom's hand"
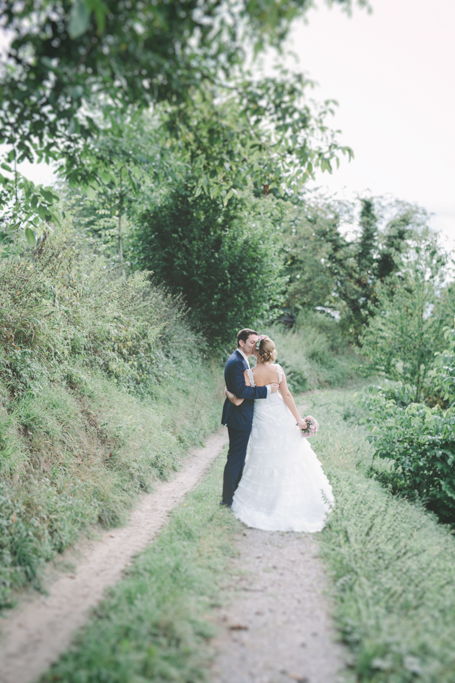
[[274, 387]]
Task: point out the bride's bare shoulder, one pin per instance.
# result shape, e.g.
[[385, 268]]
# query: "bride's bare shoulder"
[[264, 374]]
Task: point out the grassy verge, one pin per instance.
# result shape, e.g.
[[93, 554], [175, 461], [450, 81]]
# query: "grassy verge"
[[80, 459], [153, 626], [103, 387], [392, 564]]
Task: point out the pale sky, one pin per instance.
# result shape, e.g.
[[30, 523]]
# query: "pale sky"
[[393, 74]]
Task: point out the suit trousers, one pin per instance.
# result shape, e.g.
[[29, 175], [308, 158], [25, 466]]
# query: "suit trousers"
[[238, 442]]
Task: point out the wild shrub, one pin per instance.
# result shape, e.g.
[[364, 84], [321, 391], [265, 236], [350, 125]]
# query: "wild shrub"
[[412, 310], [419, 441]]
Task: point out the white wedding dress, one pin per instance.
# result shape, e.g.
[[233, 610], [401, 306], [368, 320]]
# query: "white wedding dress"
[[283, 487]]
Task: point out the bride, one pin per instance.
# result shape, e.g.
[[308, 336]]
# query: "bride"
[[283, 487]]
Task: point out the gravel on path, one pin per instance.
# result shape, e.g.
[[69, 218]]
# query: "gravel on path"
[[40, 629], [277, 627]]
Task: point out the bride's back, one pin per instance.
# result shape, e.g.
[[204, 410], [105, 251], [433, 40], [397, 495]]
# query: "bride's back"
[[265, 373]]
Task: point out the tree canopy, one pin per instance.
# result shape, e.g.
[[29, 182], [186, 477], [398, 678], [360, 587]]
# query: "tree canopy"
[[75, 69]]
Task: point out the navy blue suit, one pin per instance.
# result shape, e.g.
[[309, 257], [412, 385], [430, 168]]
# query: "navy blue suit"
[[239, 420]]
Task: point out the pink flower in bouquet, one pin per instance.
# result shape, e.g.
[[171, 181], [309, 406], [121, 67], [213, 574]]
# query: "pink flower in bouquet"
[[312, 426]]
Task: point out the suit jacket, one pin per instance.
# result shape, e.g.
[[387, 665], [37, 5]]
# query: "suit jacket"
[[239, 417]]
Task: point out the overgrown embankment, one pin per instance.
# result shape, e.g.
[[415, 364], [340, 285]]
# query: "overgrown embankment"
[[103, 387], [392, 563]]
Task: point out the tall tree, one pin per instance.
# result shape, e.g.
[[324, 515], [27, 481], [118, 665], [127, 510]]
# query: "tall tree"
[[70, 58], [412, 309], [329, 267], [223, 260]]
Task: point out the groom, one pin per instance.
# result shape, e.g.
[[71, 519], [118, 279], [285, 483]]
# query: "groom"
[[239, 419]]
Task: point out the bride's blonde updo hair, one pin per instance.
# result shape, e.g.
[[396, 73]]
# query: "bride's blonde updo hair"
[[267, 350]]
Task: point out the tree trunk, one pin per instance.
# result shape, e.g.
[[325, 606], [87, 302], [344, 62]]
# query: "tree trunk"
[[120, 245]]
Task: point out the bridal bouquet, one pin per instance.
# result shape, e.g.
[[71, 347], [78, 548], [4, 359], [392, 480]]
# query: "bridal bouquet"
[[312, 426]]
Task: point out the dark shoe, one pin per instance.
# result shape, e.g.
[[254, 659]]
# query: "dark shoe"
[[225, 505]]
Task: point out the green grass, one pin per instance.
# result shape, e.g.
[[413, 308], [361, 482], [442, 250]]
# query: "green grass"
[[103, 387], [392, 564], [154, 626], [76, 459]]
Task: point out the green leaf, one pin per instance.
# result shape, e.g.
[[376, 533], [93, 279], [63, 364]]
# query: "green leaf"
[[106, 177], [227, 197], [79, 19], [48, 195], [72, 128], [30, 236], [42, 212]]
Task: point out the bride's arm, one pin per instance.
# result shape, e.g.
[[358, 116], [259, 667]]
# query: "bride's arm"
[[232, 397], [289, 401]]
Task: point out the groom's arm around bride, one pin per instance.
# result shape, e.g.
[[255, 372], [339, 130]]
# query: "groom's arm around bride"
[[240, 417]]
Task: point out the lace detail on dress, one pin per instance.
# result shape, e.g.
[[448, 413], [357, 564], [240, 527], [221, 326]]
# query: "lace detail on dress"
[[280, 373], [278, 369], [251, 376]]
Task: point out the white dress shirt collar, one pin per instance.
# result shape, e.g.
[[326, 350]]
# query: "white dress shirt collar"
[[244, 355]]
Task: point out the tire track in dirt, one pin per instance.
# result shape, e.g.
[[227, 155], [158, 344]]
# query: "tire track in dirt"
[[41, 628]]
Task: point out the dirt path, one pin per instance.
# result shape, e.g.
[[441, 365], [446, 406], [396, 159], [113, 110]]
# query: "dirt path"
[[277, 628], [38, 631]]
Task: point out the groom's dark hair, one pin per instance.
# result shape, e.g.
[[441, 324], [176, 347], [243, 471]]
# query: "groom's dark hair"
[[244, 334]]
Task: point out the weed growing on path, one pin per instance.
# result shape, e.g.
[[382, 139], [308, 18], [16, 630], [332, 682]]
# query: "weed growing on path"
[[153, 626]]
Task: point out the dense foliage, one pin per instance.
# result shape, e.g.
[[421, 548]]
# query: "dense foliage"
[[417, 439], [411, 310], [75, 70], [339, 253], [224, 260], [64, 54], [419, 442], [96, 397]]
